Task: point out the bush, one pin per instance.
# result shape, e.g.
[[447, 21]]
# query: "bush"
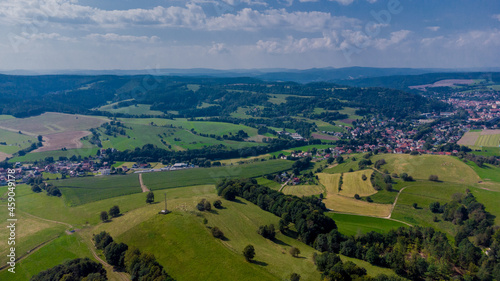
[[433, 178], [217, 233], [35, 188], [204, 205], [436, 207], [415, 205], [369, 199], [295, 277], [102, 240], [218, 204], [363, 177], [294, 251], [356, 196]]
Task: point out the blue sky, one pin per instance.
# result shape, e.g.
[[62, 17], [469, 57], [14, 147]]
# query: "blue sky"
[[229, 34]]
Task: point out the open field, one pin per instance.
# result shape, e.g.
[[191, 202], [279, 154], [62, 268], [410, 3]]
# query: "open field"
[[447, 168], [330, 182], [30, 232], [269, 183], [469, 138], [66, 247], [423, 193], [30, 157], [171, 179], [78, 191], [51, 123], [354, 184], [490, 175], [353, 224], [488, 140], [346, 166], [342, 204], [216, 128], [303, 190], [14, 142], [138, 109], [66, 140], [324, 137]]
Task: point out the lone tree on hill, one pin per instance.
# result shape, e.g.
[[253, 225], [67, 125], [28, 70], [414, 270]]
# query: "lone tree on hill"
[[104, 216], [295, 277], [249, 253], [114, 211], [150, 198], [294, 251]]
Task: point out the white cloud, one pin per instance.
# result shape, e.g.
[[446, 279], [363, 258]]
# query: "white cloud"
[[497, 17], [249, 19], [219, 48], [329, 41], [112, 37], [433, 28], [343, 2], [396, 37]]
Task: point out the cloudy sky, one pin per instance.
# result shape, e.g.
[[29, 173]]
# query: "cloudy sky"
[[229, 34]]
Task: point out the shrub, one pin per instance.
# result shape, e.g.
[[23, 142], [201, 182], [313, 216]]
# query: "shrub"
[[104, 216], [435, 207], [267, 231], [294, 251], [356, 196], [114, 211], [363, 177], [415, 205], [218, 204], [217, 233], [433, 178]]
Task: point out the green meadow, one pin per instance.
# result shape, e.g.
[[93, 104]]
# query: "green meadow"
[[354, 224]]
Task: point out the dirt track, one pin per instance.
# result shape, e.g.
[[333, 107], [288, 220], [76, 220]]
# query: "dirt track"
[[143, 186]]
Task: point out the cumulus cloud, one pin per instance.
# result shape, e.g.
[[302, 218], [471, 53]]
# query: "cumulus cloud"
[[112, 37], [396, 37], [433, 28], [218, 48], [329, 41]]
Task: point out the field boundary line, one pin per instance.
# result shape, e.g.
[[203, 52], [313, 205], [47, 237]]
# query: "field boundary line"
[[60, 222]]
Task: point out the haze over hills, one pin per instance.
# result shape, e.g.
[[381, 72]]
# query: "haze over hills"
[[329, 74]]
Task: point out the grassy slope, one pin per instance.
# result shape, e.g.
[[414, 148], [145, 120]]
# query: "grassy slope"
[[353, 224], [30, 157], [354, 184], [65, 248], [133, 109], [303, 190], [447, 168], [15, 141], [217, 128]]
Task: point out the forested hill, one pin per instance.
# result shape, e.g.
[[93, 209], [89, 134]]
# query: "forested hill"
[[403, 82], [24, 96]]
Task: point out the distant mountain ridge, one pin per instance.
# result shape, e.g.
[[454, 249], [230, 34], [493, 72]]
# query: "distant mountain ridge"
[[269, 74]]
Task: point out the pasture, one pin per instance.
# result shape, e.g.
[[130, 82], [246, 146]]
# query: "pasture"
[[138, 109], [303, 190], [448, 169], [343, 204], [51, 123], [79, 191], [330, 182], [15, 141], [34, 156], [353, 224], [188, 177], [66, 247], [216, 128], [354, 184], [488, 140]]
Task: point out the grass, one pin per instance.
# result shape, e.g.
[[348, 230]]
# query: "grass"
[[424, 192], [66, 247], [30, 232], [50, 123], [330, 182], [216, 128], [489, 174], [79, 191], [35, 156], [15, 141], [171, 179], [447, 168], [354, 184], [303, 190], [353, 224], [138, 109], [342, 204], [345, 167], [51, 176], [488, 140], [269, 183]]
